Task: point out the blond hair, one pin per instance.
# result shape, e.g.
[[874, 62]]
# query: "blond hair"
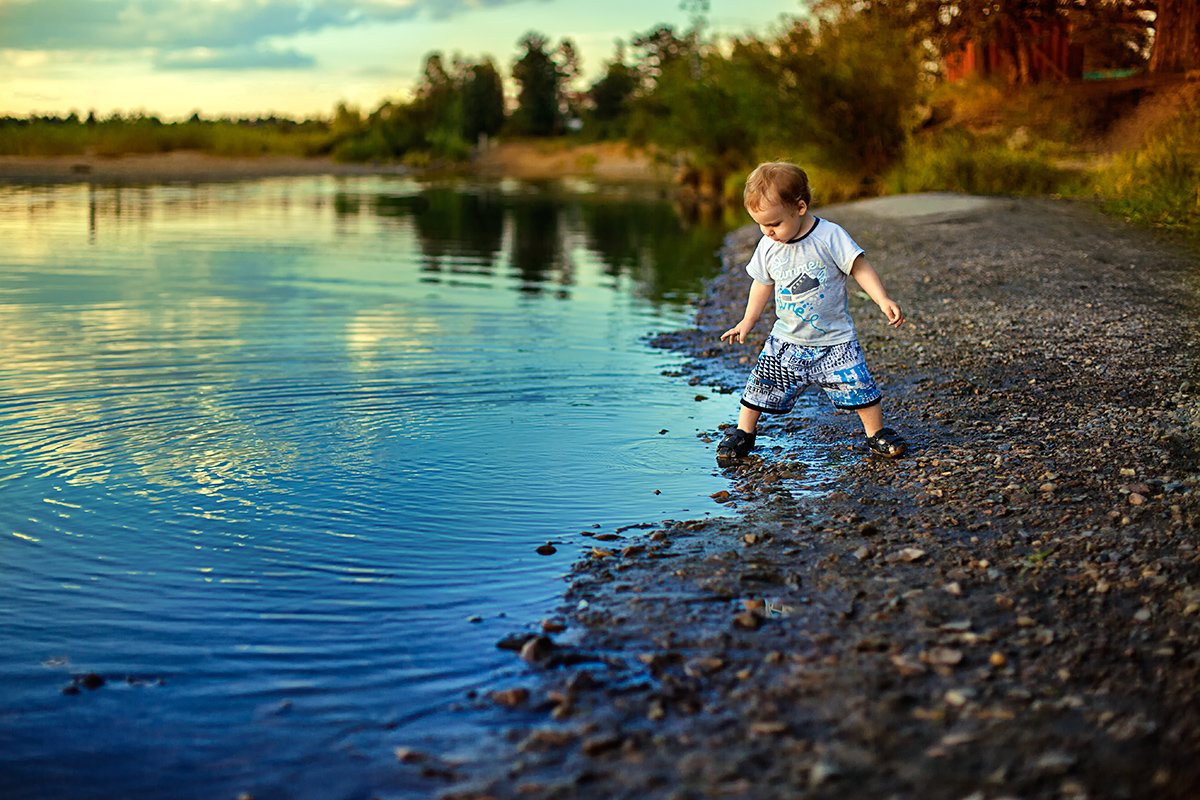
[[776, 182]]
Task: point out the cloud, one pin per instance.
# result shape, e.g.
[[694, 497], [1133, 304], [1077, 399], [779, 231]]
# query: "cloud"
[[203, 34], [233, 58], [178, 24]]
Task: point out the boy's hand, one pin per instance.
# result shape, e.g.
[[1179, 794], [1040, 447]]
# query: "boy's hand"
[[738, 332], [893, 312]]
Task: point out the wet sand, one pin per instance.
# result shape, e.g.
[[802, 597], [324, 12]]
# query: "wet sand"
[[1011, 610]]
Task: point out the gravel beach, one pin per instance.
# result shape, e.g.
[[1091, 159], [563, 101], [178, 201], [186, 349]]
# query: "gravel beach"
[[1010, 610]]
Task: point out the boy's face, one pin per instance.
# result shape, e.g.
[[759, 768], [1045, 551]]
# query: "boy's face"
[[779, 222]]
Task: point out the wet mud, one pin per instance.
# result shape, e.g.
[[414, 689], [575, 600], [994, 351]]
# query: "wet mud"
[[1010, 610]]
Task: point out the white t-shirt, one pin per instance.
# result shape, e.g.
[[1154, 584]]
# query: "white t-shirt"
[[809, 274]]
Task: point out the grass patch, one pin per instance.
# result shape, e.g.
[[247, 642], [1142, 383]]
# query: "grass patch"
[[957, 160], [1159, 183]]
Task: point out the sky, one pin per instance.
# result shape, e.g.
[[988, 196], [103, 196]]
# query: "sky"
[[301, 58]]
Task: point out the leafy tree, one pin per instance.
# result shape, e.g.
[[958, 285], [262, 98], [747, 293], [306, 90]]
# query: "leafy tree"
[[438, 103], [610, 98], [841, 90], [347, 120], [862, 79], [541, 78], [483, 100], [657, 49], [1111, 37], [451, 107]]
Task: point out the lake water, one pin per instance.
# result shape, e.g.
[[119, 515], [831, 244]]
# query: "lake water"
[[276, 456]]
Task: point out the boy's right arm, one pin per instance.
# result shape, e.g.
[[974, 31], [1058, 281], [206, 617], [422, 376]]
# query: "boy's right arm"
[[760, 295]]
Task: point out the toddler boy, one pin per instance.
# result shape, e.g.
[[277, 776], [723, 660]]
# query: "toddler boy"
[[801, 263]]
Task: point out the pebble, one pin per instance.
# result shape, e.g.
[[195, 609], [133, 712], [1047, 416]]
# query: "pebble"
[[546, 739], [510, 698], [537, 649], [943, 656], [748, 620], [906, 555], [599, 745]]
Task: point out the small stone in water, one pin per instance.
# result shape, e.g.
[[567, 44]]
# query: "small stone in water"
[[546, 550], [537, 649], [511, 698], [407, 755]]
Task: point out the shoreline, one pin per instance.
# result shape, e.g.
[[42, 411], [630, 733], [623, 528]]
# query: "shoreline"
[[173, 167], [518, 160], [1012, 609]]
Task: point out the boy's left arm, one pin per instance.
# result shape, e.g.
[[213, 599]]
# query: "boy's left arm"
[[866, 277]]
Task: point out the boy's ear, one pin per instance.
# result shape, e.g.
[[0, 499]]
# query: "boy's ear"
[[801, 208]]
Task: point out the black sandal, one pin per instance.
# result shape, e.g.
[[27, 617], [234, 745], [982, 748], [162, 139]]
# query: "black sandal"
[[736, 444], [887, 443]]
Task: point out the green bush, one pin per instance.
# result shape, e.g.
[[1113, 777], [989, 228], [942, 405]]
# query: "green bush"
[[116, 136], [39, 138]]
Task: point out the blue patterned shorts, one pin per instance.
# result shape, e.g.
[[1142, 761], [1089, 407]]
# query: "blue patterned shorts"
[[784, 370]]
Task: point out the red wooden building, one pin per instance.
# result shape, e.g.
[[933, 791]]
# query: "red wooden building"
[[1029, 53]]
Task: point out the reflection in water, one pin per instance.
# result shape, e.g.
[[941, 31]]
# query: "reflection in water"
[[482, 228], [265, 447]]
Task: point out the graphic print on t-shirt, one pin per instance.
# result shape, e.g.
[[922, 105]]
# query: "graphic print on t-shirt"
[[797, 283], [801, 286]]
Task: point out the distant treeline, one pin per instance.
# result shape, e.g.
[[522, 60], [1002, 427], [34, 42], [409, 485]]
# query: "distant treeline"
[[852, 91], [117, 135]]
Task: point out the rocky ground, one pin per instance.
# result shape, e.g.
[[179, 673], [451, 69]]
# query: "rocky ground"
[[1011, 610]]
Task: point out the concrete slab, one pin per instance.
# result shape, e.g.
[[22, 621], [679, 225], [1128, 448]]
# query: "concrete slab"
[[924, 204]]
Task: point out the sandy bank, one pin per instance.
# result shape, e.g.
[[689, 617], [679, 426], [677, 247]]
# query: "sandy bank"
[[179, 166], [522, 160]]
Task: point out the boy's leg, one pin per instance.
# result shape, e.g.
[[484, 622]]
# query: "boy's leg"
[[739, 441], [772, 385], [748, 419], [849, 385], [881, 440], [872, 419]]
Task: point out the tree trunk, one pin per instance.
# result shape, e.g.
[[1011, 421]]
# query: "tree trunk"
[[1176, 36]]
